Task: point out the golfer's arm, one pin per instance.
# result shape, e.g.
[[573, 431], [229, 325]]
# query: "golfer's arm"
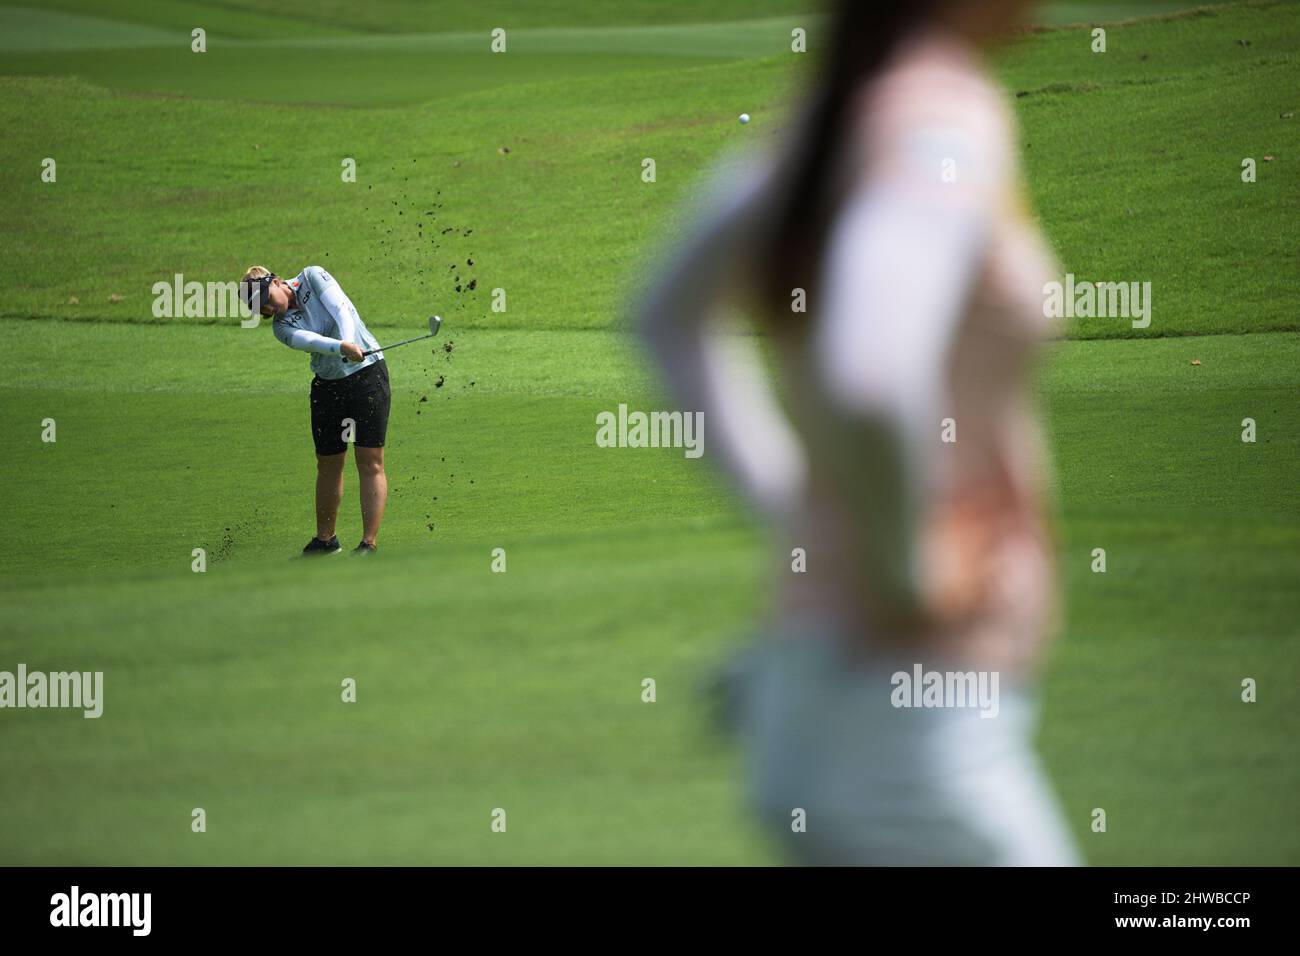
[[307, 341], [717, 374], [341, 309], [899, 268]]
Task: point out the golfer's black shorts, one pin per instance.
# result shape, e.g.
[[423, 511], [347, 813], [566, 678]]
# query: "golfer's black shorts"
[[361, 398]]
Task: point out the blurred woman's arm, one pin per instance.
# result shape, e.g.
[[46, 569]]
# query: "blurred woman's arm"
[[719, 374], [897, 278], [897, 274]]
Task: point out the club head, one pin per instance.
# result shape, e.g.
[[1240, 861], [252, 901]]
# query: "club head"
[[435, 323]]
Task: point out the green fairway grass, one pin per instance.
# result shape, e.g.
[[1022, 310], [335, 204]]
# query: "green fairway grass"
[[522, 690]]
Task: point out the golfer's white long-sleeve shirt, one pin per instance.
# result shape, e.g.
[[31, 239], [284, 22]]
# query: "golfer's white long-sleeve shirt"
[[323, 320]]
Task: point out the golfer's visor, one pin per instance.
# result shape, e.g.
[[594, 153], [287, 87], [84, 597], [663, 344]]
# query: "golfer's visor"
[[254, 292]]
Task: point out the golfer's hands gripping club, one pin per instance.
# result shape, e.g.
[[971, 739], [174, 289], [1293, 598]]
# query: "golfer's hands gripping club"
[[351, 352]]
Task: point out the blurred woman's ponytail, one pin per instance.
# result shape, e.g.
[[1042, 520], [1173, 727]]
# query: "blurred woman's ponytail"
[[861, 35]]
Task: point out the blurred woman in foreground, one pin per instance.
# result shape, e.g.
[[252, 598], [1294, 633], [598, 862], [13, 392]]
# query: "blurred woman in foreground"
[[904, 457]]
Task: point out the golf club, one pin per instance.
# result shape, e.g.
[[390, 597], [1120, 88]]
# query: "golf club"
[[435, 323]]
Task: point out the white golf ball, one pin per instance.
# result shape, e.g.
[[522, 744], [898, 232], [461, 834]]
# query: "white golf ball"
[[744, 117]]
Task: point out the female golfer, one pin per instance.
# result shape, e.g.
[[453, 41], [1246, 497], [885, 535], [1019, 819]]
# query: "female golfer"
[[349, 394], [886, 249]]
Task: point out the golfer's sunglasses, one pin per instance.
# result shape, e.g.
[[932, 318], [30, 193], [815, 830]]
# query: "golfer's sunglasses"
[[255, 291]]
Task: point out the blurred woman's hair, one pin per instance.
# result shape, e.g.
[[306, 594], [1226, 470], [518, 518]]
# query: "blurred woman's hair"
[[861, 36]]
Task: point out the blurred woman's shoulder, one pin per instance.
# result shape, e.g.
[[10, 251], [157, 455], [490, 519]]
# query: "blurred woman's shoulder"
[[933, 111]]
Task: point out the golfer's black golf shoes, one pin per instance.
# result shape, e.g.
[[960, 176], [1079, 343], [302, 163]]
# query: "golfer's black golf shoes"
[[318, 548]]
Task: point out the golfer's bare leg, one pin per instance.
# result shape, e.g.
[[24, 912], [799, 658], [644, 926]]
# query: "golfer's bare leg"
[[374, 490], [329, 492]]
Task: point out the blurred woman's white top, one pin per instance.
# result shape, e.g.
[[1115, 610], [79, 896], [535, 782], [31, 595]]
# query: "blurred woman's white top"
[[905, 458]]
